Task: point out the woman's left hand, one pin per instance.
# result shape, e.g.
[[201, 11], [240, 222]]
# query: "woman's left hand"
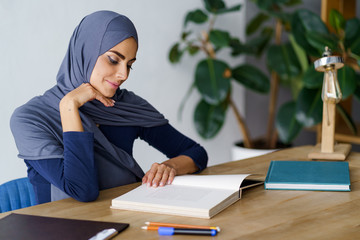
[[159, 175]]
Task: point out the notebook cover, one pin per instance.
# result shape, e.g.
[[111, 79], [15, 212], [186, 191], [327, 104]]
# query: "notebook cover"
[[308, 172], [20, 226]]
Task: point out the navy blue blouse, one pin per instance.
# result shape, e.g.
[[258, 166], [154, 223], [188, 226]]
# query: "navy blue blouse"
[[76, 173]]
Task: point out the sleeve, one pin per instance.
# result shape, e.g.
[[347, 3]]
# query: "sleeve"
[[75, 174], [172, 143]]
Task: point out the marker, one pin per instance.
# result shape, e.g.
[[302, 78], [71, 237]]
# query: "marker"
[[167, 231]]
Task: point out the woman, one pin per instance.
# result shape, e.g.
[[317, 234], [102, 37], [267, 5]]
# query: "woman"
[[77, 138]]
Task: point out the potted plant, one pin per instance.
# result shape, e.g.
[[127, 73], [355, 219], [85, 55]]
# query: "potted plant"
[[213, 76], [311, 35]]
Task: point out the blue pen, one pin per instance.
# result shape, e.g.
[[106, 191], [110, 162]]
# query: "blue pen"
[[166, 231]]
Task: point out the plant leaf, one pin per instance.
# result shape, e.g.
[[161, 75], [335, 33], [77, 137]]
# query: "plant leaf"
[[227, 10], [256, 22], [214, 5], [283, 60], [319, 41], [337, 21], [252, 78], [219, 38], [175, 53], [309, 107], [286, 124], [312, 78], [196, 16], [304, 21], [347, 81], [300, 53], [352, 32], [211, 81], [209, 118]]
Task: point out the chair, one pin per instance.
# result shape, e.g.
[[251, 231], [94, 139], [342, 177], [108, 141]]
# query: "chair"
[[15, 194]]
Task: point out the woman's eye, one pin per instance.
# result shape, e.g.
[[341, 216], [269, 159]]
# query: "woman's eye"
[[129, 67], [112, 61]]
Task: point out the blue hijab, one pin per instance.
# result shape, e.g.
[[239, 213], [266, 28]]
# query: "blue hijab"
[[36, 126]]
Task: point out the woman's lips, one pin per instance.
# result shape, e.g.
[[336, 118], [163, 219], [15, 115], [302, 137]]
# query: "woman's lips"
[[113, 85]]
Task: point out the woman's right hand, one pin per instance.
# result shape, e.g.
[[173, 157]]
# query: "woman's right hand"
[[71, 102], [83, 94]]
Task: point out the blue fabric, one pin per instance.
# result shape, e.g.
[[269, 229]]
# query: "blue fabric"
[[80, 163], [36, 126], [15, 194]]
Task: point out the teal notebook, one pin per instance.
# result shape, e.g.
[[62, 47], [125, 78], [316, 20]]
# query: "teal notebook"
[[308, 175]]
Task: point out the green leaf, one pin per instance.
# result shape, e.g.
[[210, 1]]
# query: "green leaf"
[[219, 38], [304, 21], [209, 119], [291, 3], [347, 81], [337, 21], [319, 41], [175, 53], [352, 32], [214, 5], [309, 107], [283, 60], [300, 53], [211, 81], [239, 48], [192, 50], [286, 124], [312, 78], [196, 16], [252, 78], [259, 43], [347, 119], [256, 22], [227, 10]]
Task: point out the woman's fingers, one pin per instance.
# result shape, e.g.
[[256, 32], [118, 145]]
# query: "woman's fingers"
[[85, 93], [159, 175]]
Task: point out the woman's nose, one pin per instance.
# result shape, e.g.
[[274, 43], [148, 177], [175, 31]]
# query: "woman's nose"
[[122, 73]]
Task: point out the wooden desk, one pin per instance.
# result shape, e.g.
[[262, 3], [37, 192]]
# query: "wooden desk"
[[260, 214]]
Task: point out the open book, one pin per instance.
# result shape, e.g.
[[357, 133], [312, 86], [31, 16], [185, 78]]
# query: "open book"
[[201, 196]]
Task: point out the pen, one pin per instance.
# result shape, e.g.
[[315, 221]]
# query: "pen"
[[176, 225], [167, 231]]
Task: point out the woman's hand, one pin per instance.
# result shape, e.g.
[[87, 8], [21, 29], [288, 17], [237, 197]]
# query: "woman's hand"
[[83, 94], [159, 175], [70, 103], [164, 173]]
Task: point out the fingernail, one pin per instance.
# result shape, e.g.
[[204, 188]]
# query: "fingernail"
[[169, 182], [161, 184]]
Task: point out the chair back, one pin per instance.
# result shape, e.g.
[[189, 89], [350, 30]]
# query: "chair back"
[[15, 194]]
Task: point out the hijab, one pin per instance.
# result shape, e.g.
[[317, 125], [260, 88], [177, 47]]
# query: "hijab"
[[36, 126]]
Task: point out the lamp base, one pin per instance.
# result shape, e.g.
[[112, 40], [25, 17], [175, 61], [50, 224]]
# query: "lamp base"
[[341, 151]]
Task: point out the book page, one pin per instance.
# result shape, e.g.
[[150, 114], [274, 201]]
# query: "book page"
[[230, 181], [171, 196]]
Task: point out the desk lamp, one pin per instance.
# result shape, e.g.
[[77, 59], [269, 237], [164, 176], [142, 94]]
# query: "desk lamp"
[[331, 95]]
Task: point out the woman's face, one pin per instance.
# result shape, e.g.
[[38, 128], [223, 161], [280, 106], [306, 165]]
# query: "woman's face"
[[113, 67]]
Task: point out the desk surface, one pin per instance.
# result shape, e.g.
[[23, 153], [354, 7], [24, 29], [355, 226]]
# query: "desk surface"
[[260, 214]]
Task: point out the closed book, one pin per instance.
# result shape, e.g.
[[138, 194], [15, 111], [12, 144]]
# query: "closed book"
[[308, 175], [201, 196]]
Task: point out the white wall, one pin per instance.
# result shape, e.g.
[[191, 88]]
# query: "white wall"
[[34, 38]]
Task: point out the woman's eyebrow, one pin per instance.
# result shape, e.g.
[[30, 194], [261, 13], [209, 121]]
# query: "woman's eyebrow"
[[120, 55]]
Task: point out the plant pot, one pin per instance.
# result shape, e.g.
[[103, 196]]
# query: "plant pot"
[[239, 152]]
